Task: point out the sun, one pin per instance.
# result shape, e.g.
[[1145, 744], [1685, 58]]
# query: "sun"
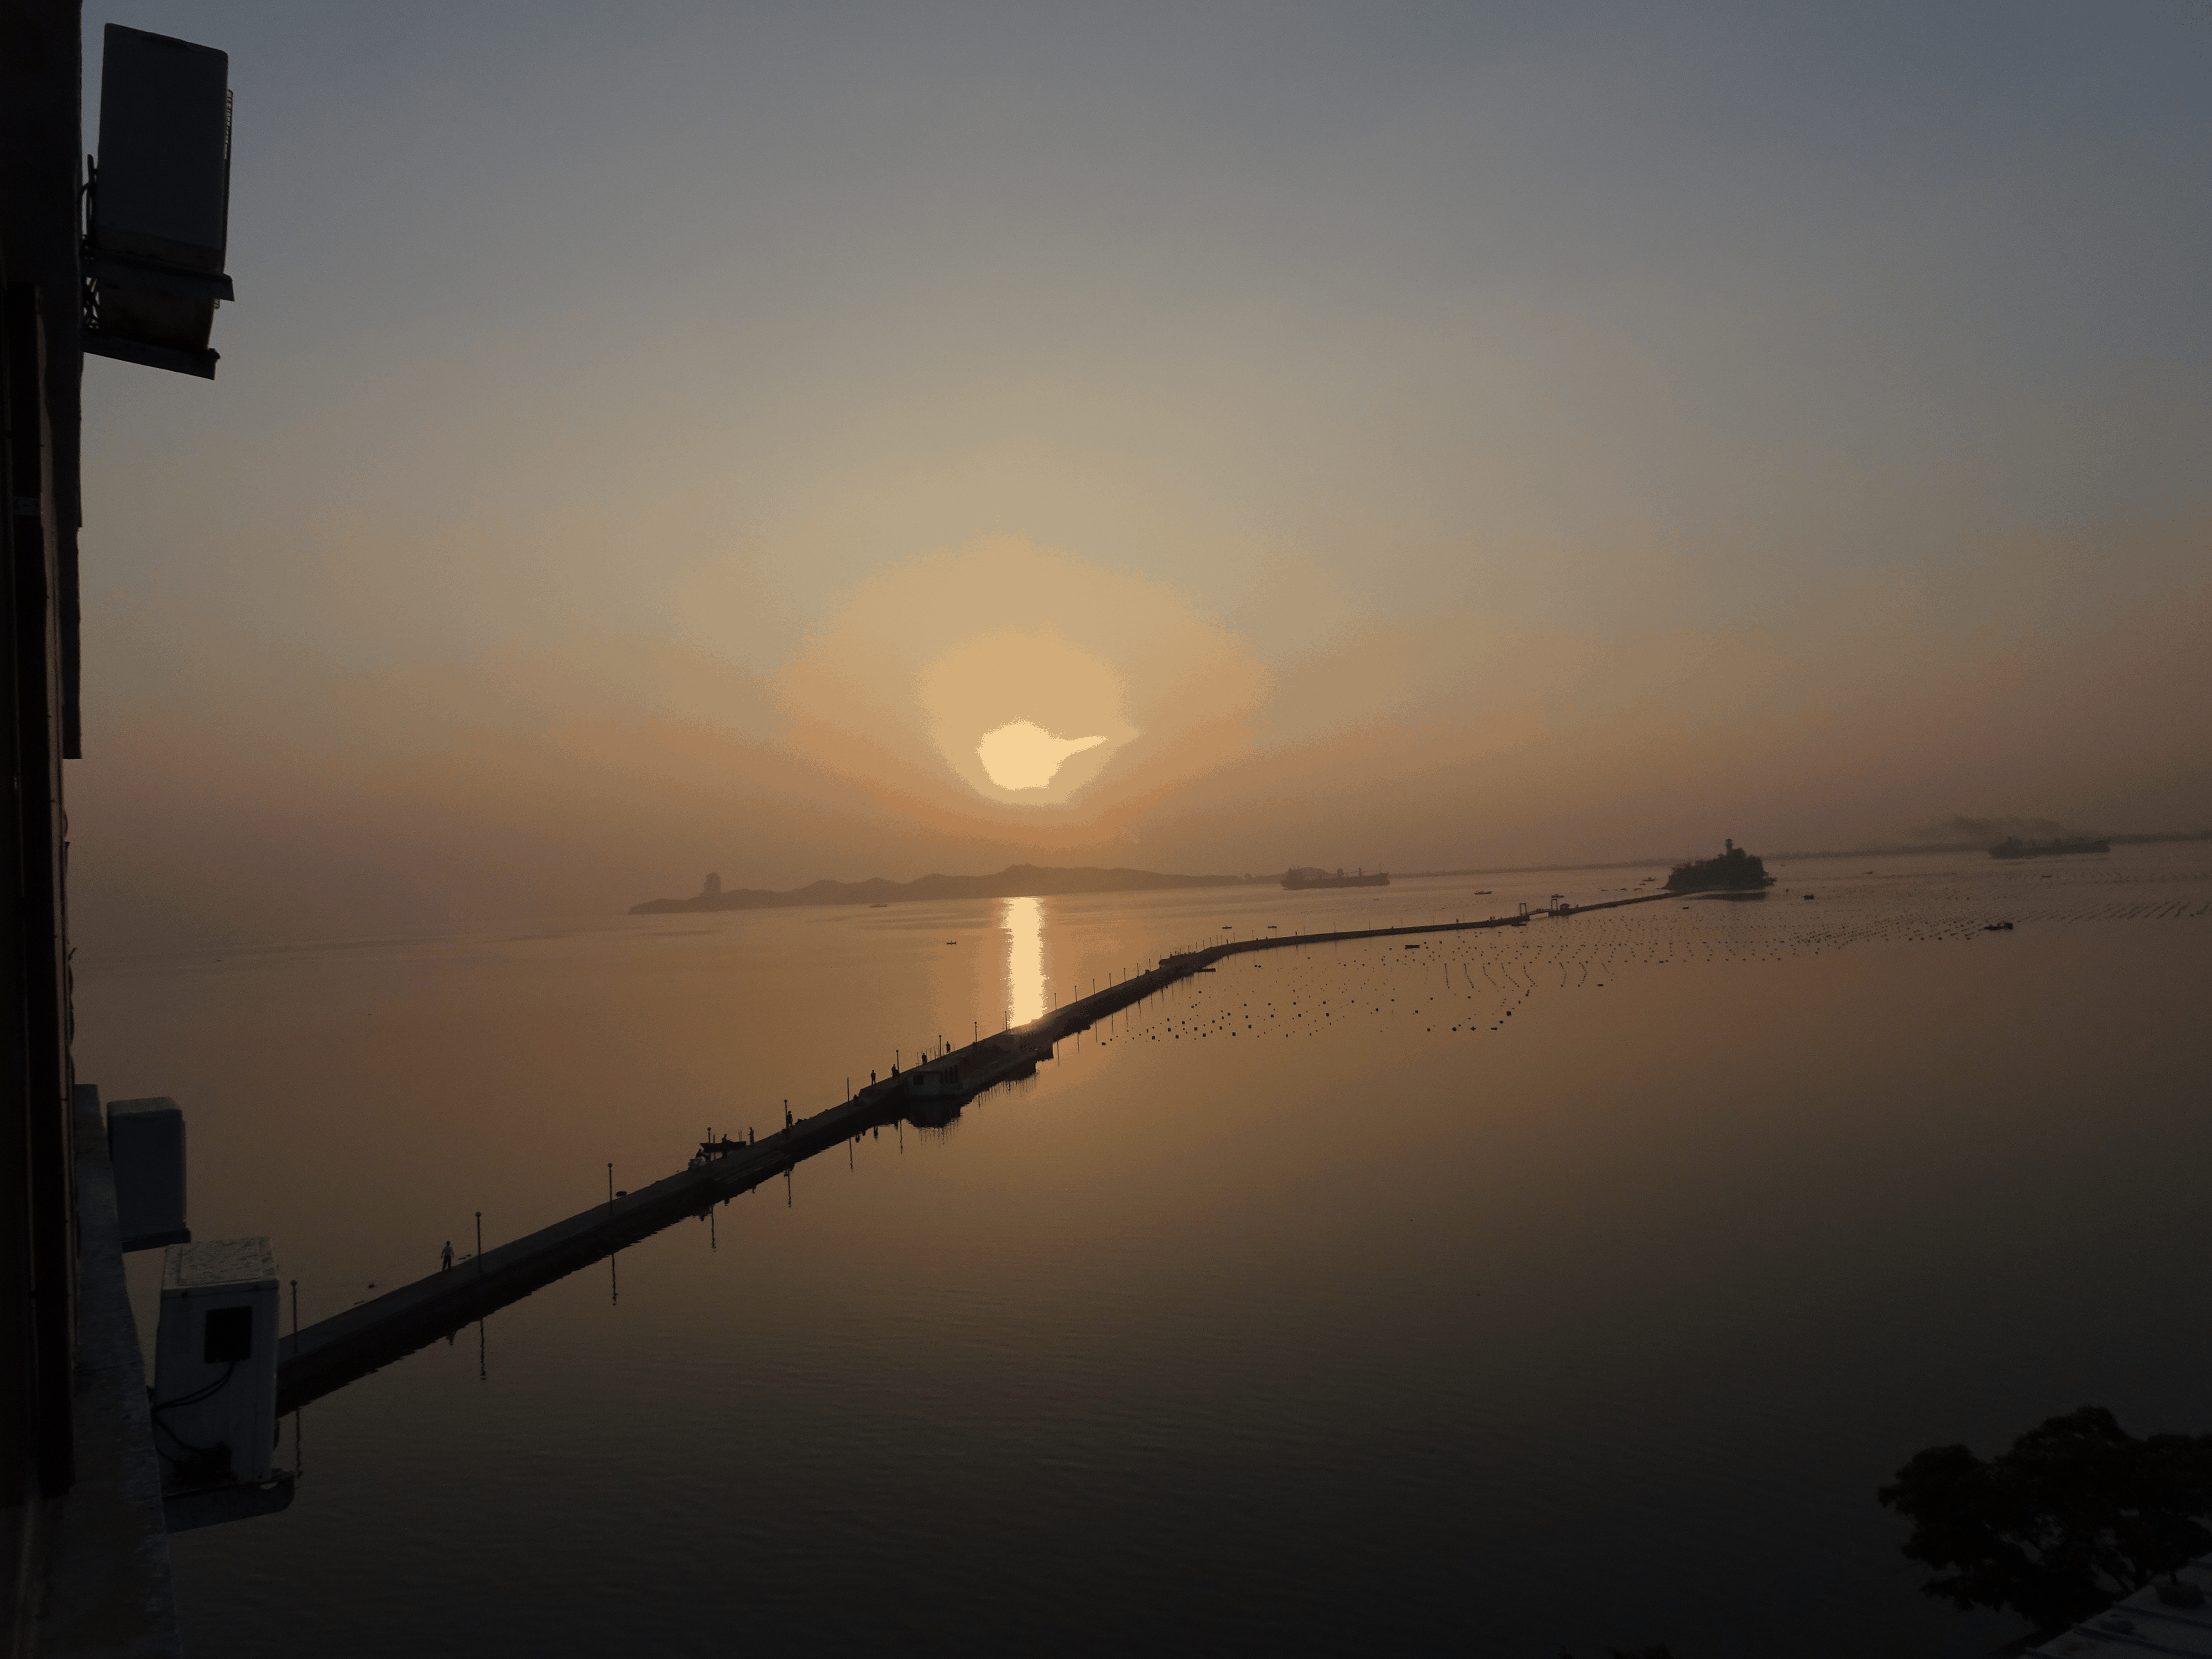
[[1025, 755]]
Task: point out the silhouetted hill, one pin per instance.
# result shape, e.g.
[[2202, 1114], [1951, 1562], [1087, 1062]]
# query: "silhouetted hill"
[[1016, 881]]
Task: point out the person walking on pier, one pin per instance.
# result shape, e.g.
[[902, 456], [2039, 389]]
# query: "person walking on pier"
[[446, 1258], [786, 1115]]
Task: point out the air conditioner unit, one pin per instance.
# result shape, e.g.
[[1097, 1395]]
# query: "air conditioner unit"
[[158, 208], [146, 1144], [214, 1364]]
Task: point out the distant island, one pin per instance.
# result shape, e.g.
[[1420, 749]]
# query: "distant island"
[[1734, 871], [1016, 881]]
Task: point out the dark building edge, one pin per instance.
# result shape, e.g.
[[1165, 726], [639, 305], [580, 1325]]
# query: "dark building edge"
[[49, 1474]]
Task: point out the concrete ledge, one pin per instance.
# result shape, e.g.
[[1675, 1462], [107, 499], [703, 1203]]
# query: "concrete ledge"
[[237, 1502], [2144, 1622], [108, 1593]]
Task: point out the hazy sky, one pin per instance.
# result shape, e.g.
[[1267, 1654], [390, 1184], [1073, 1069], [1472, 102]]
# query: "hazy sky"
[[648, 437]]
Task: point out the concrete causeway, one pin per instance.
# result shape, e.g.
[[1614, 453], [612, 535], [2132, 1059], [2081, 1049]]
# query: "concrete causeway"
[[334, 1352]]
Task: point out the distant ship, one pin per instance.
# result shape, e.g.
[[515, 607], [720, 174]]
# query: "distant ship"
[[1309, 877], [2016, 848], [1734, 871]]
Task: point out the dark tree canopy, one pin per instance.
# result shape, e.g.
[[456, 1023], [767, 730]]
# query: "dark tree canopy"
[[2078, 1515]]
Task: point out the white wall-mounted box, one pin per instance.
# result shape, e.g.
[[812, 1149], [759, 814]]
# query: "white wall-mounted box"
[[214, 1364]]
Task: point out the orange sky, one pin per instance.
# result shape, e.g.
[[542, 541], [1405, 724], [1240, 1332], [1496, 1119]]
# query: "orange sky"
[[1429, 440]]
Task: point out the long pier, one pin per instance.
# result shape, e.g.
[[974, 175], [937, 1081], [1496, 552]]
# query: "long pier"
[[334, 1352]]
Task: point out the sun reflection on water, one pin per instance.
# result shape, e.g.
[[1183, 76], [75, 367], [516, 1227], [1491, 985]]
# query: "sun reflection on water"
[[1025, 924]]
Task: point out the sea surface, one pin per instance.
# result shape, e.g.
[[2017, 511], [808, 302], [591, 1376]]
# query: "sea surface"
[[1567, 1286]]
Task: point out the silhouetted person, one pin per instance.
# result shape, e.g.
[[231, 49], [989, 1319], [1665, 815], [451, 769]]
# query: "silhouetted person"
[[446, 1258], [786, 1115]]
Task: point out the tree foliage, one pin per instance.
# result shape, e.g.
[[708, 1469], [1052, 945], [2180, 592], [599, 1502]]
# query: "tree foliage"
[[2078, 1515]]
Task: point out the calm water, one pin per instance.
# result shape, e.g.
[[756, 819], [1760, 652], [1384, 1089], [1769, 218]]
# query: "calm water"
[[1570, 1285]]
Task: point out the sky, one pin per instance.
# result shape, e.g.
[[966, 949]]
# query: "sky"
[[662, 439]]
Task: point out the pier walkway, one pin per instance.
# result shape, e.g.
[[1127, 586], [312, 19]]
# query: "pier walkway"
[[334, 1352]]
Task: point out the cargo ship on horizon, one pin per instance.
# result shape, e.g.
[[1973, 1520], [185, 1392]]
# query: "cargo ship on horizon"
[[2065, 846], [1734, 871], [1305, 876]]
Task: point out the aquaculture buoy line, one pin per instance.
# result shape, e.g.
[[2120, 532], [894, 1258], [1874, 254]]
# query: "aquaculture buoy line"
[[1496, 972]]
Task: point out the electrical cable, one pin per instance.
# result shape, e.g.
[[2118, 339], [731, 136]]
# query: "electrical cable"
[[192, 1399]]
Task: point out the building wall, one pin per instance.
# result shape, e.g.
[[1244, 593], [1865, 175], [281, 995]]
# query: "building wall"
[[41, 76]]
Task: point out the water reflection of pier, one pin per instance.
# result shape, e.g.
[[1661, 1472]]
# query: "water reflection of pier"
[[334, 1352]]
